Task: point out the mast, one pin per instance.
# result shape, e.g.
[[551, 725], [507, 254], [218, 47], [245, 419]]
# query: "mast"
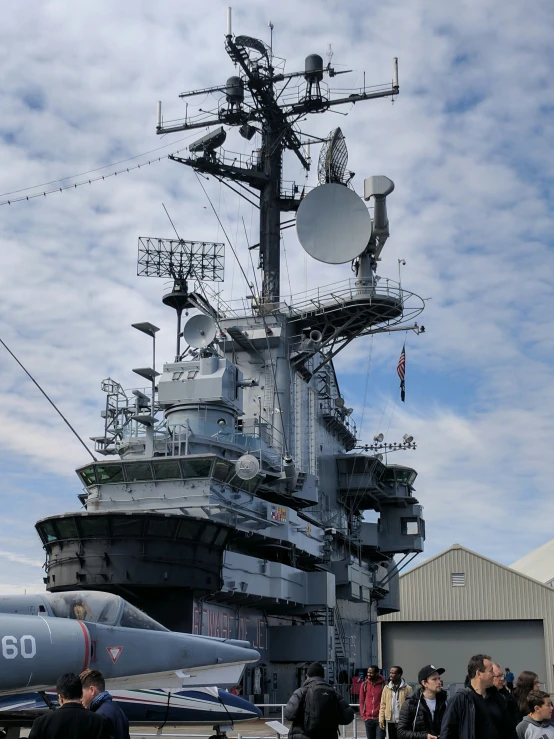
[[264, 113]]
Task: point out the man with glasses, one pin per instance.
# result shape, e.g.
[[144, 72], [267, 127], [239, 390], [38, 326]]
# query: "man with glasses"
[[478, 711], [370, 702], [500, 684]]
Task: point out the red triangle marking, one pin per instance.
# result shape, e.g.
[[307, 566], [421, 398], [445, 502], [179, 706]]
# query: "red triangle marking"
[[114, 653]]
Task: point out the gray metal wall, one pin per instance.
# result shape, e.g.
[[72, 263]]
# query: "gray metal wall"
[[449, 644]]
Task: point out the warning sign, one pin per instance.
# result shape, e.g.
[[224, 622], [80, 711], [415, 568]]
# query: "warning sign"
[[114, 653]]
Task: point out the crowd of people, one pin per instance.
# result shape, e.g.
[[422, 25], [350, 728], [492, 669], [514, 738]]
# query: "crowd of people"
[[86, 711], [490, 706]]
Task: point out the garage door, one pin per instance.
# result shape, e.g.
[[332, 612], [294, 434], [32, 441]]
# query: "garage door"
[[449, 644]]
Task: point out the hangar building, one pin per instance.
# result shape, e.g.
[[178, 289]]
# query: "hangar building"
[[459, 603]]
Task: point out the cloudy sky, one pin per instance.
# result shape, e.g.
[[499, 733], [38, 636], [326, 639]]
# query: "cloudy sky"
[[469, 145]]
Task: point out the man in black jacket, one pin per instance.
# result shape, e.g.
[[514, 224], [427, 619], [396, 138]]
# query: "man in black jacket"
[[509, 700], [478, 711], [71, 720], [422, 713], [97, 699], [315, 709]]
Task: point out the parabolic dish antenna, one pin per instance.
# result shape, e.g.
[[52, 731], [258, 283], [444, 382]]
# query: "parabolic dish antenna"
[[247, 467], [199, 331], [333, 224]]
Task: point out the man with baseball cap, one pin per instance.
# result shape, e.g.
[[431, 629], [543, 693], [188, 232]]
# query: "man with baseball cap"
[[421, 715]]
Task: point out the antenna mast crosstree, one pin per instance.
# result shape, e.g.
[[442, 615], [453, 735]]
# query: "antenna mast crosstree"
[[254, 102]]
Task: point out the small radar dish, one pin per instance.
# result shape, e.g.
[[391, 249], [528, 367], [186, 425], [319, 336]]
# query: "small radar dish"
[[199, 331], [247, 467], [333, 224], [333, 159]]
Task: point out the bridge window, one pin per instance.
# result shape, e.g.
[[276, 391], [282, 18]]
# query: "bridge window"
[[139, 471], [92, 526], [169, 470], [126, 526], [197, 467], [88, 475], [110, 473], [67, 528], [163, 527], [47, 532], [410, 526]]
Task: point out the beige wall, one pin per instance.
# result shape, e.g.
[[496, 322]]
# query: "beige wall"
[[491, 592]]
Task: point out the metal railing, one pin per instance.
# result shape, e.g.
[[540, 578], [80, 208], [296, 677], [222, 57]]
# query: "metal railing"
[[239, 735]]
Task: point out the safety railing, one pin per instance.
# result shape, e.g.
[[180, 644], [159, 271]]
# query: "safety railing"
[[240, 731]]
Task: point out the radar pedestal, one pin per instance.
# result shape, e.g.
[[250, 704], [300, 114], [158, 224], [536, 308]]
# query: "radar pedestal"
[[179, 300]]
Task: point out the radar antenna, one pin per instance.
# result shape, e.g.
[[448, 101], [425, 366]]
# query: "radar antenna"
[[182, 261], [333, 159]]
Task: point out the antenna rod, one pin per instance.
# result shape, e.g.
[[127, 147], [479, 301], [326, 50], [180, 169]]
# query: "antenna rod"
[[229, 12], [395, 72], [159, 113], [6, 347]]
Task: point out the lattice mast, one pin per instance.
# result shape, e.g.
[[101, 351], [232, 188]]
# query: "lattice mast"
[[276, 121]]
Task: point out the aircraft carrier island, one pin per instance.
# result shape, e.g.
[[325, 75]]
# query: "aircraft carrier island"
[[228, 491]]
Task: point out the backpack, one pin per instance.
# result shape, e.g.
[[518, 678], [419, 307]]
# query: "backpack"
[[321, 710]]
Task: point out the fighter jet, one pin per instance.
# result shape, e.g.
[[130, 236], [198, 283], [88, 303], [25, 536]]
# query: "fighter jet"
[[199, 706], [43, 636]]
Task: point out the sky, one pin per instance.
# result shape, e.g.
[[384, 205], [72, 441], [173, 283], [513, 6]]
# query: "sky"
[[468, 143]]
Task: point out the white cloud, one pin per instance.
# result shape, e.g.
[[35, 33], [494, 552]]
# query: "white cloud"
[[468, 144]]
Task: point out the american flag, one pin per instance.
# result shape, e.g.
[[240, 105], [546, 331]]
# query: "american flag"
[[401, 370]]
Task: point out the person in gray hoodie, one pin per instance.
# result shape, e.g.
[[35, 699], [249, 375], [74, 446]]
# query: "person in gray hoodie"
[[537, 724]]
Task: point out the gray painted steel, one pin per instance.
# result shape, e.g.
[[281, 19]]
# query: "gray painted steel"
[[448, 644], [491, 593]]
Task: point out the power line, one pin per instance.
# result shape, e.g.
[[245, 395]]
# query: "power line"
[[75, 185], [90, 171], [54, 406]]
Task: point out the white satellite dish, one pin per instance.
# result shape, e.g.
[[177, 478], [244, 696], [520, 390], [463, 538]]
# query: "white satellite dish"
[[199, 331], [247, 466], [333, 224]]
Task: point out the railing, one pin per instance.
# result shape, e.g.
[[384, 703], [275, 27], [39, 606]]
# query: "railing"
[[247, 735], [337, 293]]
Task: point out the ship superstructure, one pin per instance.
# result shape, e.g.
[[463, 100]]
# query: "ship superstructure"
[[231, 497]]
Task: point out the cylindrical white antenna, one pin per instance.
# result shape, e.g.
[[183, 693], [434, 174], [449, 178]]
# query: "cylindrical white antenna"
[[308, 157], [229, 13], [395, 72], [159, 113]]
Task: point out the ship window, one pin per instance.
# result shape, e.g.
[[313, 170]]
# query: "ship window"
[[207, 534], [187, 530], [110, 473], [248, 485], [47, 532], [126, 526], [197, 467], [132, 618], [221, 538], [221, 470], [410, 526], [138, 471], [92, 527], [88, 476], [67, 528], [167, 470], [161, 527]]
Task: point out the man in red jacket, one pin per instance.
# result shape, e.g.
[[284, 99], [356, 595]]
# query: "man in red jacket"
[[370, 701]]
